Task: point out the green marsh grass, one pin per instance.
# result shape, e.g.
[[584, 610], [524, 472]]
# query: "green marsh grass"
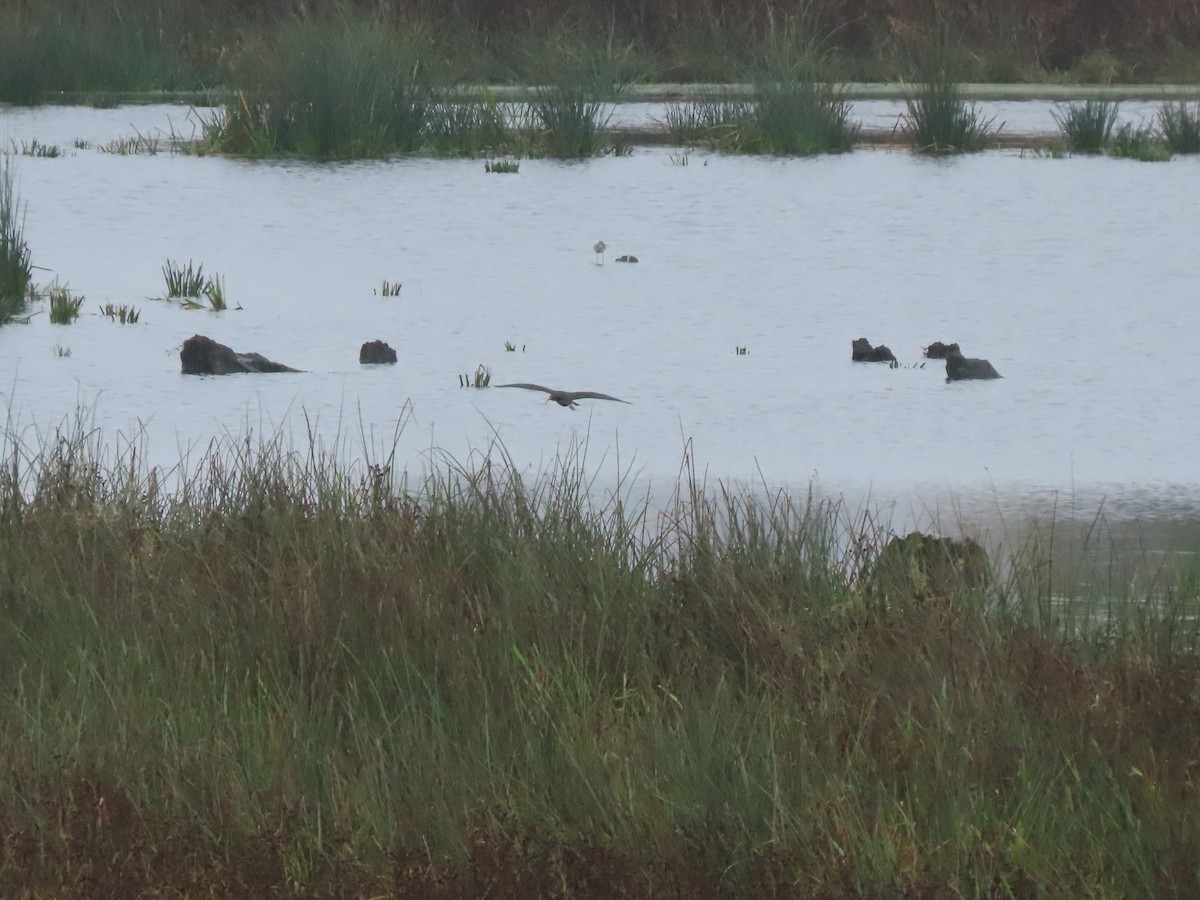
[[389, 288], [120, 46], [480, 378], [939, 121], [1141, 143], [569, 122], [38, 149], [138, 145], [344, 88], [1180, 126], [502, 166], [715, 121], [1087, 126], [183, 282], [214, 293], [465, 123], [797, 116], [274, 669], [61, 351], [64, 306], [16, 270]]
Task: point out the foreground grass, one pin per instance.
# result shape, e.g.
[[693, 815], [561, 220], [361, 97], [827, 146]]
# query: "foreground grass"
[[283, 674]]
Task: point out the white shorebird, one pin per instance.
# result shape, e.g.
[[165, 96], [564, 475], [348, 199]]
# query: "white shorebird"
[[564, 398], [599, 247]]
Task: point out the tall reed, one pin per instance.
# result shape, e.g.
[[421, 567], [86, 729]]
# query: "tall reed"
[[1180, 124], [1088, 126], [939, 121], [569, 122], [125, 45], [800, 116], [342, 88], [274, 668], [16, 270]]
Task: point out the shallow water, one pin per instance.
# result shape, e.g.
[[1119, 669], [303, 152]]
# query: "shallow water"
[[1075, 277]]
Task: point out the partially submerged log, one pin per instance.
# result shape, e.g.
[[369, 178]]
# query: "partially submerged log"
[[862, 351], [202, 355]]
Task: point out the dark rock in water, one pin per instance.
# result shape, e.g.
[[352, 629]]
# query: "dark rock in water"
[[376, 353], [203, 356], [936, 350], [961, 368], [922, 567], [627, 258], [862, 351]]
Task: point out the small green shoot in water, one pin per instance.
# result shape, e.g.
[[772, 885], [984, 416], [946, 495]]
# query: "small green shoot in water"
[[214, 290], [37, 148], [389, 289], [123, 313], [481, 379], [61, 351], [131, 146]]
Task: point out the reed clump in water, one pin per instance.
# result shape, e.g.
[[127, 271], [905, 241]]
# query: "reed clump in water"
[[1087, 126], [1180, 125], [16, 270], [343, 88], [940, 122], [274, 669], [1142, 143]]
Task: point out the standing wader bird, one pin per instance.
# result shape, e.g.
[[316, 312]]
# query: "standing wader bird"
[[599, 247], [564, 398]]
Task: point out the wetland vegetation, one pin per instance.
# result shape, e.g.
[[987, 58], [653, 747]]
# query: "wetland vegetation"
[[97, 50], [16, 270], [277, 670]]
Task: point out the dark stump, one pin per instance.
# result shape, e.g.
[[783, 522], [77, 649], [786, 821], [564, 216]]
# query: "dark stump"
[[862, 351], [202, 355], [962, 368], [376, 353]]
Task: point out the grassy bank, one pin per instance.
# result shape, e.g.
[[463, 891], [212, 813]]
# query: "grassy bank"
[[278, 672], [140, 45]]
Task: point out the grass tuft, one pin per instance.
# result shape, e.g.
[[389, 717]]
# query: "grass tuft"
[[64, 308], [1087, 126], [138, 145], [344, 88], [123, 313], [16, 270], [502, 166], [1141, 143], [569, 123], [939, 121], [389, 289], [1180, 125], [183, 282], [214, 292], [38, 149]]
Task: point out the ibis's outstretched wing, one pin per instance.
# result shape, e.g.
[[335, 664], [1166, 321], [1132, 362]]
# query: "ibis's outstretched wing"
[[528, 387], [593, 395]]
